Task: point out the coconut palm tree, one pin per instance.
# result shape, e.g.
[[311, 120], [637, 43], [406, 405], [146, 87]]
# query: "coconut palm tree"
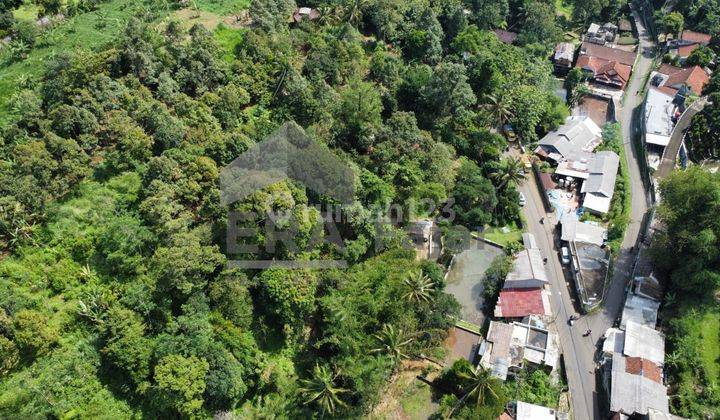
[[480, 385], [419, 287], [510, 171], [499, 109], [321, 389], [354, 10], [391, 342]]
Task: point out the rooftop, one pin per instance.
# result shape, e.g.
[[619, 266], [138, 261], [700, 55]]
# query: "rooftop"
[[608, 53], [528, 271], [600, 184], [694, 77], [518, 303], [695, 37], [564, 51], [508, 345], [578, 134], [649, 287], [639, 310], [644, 342], [575, 230], [527, 411], [636, 386], [659, 110]]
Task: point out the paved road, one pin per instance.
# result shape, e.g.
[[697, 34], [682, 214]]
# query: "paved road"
[[667, 164], [579, 351]]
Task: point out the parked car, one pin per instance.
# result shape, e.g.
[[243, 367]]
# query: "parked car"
[[521, 199], [565, 255]]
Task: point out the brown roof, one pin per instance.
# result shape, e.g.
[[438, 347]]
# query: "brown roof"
[[698, 37], [608, 54], [505, 416], [644, 368], [547, 182], [694, 77], [506, 36], [607, 71], [685, 50]]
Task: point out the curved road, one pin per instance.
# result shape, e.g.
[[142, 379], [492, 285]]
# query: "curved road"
[[579, 351], [667, 164]]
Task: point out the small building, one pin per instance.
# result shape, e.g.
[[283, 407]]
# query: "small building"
[[599, 187], [624, 25], [644, 342], [671, 79], [601, 34], [528, 270], [607, 66], [687, 43], [509, 345], [636, 386], [519, 303], [527, 411], [648, 287], [639, 310], [573, 230], [578, 134], [563, 57], [305, 13], [691, 37], [425, 235], [659, 115]]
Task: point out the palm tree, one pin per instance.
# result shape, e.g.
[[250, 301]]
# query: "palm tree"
[[510, 171], [354, 11], [419, 287], [322, 390], [499, 109], [480, 385], [391, 342]]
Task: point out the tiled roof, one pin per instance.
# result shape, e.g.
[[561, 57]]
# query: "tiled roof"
[[685, 50], [643, 367], [604, 70], [694, 77], [697, 37], [518, 303], [608, 54]]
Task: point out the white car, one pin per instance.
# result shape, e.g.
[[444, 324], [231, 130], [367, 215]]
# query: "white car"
[[521, 199], [565, 255]]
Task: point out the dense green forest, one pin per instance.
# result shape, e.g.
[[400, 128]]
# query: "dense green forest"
[[687, 249], [115, 295]]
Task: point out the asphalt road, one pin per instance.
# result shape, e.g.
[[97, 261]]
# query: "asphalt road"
[[579, 351]]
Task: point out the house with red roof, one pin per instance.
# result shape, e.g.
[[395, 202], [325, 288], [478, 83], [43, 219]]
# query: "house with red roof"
[[687, 43], [672, 79], [606, 65], [519, 303]]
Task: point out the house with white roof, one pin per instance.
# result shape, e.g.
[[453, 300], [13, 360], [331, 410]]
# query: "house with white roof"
[[659, 111], [599, 187], [573, 230], [578, 134]]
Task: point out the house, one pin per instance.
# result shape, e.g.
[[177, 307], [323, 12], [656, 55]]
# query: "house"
[[639, 310], [527, 411], [687, 43], [573, 230], [519, 303], [691, 37], [636, 386], [589, 267], [606, 65], [578, 134], [659, 116], [564, 56], [601, 34], [671, 79], [506, 36], [509, 345], [528, 270], [648, 287], [305, 13], [634, 357], [425, 235], [599, 187], [624, 25]]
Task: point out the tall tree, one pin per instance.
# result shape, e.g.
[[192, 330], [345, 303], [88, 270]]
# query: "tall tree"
[[322, 390]]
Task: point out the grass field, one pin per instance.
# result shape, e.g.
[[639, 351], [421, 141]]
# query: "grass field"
[[709, 331], [221, 7], [499, 237], [228, 39]]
